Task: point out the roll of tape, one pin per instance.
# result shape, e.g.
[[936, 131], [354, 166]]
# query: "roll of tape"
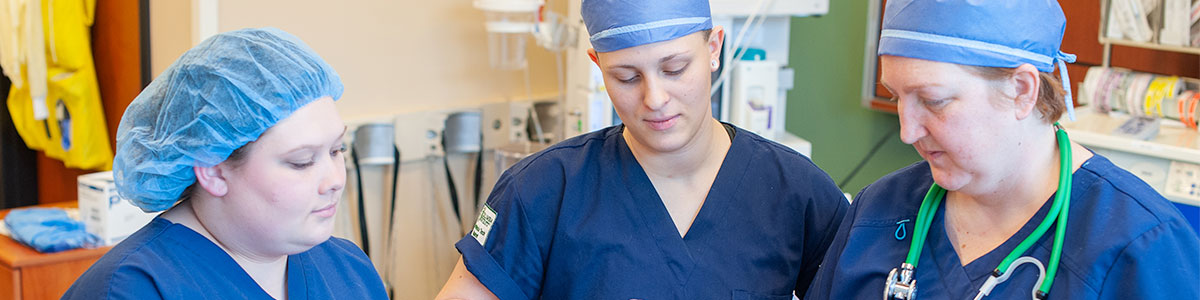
[[1115, 78], [1091, 83], [1179, 103], [1152, 102], [1136, 92], [1118, 93]]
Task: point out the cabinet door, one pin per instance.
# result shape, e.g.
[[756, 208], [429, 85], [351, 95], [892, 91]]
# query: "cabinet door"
[[50, 281]]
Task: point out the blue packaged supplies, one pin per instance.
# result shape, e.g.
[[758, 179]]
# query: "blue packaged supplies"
[[47, 230]]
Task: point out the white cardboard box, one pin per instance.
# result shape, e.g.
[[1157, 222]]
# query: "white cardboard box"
[[106, 214]]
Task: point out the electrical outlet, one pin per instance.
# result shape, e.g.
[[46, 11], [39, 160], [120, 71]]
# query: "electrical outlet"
[[1183, 181]]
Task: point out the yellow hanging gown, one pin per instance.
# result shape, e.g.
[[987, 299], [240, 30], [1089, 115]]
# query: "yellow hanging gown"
[[71, 126]]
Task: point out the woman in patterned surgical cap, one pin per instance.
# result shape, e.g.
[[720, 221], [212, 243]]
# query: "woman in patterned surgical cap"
[[670, 205], [240, 143]]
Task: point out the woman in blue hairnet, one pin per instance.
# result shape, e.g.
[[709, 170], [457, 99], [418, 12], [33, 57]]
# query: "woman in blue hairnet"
[[1004, 206], [240, 142], [671, 205]]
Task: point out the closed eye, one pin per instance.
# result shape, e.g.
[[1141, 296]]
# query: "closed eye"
[[935, 102], [301, 166]]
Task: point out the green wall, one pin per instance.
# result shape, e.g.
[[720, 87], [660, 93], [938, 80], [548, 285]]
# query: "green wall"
[[825, 106]]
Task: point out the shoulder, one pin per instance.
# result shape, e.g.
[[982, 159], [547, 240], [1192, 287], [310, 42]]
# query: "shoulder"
[[1121, 217], [1114, 203], [762, 146], [570, 152], [341, 260], [131, 266], [1117, 203], [1106, 182], [545, 173], [770, 157], [895, 195]]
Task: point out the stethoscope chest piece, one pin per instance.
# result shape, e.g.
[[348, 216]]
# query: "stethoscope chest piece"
[[900, 283]]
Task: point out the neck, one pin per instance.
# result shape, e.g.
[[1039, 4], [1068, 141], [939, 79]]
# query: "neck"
[[706, 148], [269, 271], [980, 218]]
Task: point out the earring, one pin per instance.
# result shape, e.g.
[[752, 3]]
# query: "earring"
[[715, 64]]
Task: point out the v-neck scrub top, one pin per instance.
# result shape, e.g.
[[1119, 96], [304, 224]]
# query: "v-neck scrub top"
[[166, 260], [1123, 241], [581, 220]]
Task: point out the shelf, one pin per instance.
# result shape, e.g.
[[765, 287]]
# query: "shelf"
[[883, 105], [1172, 142], [1153, 46]]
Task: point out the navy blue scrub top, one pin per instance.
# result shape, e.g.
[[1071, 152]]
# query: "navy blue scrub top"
[[581, 220], [1123, 241], [165, 260]]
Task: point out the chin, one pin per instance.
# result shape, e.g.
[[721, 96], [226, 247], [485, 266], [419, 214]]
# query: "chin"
[[947, 180], [664, 141], [316, 235]]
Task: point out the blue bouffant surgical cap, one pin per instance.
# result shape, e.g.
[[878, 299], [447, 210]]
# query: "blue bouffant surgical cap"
[[217, 97], [619, 24], [1002, 34]]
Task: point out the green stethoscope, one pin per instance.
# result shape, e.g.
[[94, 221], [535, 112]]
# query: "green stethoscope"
[[902, 285]]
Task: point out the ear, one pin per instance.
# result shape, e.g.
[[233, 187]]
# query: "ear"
[[716, 38], [592, 54], [212, 179], [1026, 82]]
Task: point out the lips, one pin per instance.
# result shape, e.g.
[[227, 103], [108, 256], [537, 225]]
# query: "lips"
[[663, 123], [934, 154], [929, 155], [326, 211]]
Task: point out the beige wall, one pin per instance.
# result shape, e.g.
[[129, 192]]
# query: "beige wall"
[[393, 56], [170, 32]]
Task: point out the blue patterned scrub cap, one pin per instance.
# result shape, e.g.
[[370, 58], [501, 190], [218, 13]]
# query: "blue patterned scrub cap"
[[619, 24], [217, 97], [986, 33]]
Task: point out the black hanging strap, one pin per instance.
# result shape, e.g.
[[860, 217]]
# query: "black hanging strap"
[[362, 214]]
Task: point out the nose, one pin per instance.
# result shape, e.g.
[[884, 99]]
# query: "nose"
[[334, 180], [655, 97], [911, 129]]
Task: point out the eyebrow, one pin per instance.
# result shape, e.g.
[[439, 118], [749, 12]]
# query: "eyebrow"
[[310, 146], [917, 88]]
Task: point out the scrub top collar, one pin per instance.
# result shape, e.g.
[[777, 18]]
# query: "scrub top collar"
[[653, 212]]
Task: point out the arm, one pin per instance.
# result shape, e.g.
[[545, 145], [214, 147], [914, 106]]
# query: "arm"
[[822, 219], [820, 280], [505, 254], [463, 285]]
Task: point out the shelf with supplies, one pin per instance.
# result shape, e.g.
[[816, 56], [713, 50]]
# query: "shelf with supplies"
[[1145, 122], [1163, 25]]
